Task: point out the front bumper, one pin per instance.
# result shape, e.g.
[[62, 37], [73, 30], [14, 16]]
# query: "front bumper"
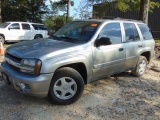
[[35, 85]]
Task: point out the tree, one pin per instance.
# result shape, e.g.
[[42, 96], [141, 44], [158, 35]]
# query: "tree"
[[57, 22], [61, 5], [0, 11], [83, 10], [23, 10], [143, 6]]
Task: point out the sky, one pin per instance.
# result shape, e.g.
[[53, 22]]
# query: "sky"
[[72, 11]]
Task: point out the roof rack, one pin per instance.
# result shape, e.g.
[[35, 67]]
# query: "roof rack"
[[118, 18], [108, 17]]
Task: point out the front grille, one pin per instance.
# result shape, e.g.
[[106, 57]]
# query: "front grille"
[[13, 67], [12, 57], [11, 60]]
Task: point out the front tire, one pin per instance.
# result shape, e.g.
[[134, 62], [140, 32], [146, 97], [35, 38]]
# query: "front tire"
[[66, 87], [141, 67], [2, 39]]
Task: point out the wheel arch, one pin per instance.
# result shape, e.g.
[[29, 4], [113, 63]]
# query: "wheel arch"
[[147, 54], [38, 35], [80, 68]]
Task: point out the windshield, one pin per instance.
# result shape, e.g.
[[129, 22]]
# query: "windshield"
[[4, 25], [77, 30]]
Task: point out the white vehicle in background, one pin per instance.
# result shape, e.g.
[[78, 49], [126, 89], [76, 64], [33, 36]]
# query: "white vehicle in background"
[[17, 31]]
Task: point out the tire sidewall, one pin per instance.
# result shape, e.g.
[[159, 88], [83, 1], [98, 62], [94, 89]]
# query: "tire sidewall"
[[37, 37], [2, 39], [76, 77], [139, 61]]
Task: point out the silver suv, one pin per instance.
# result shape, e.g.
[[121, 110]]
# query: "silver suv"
[[78, 53]]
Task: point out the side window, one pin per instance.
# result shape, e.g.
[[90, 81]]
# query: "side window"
[[14, 26], [25, 26], [39, 27], [131, 32], [113, 32], [145, 32]]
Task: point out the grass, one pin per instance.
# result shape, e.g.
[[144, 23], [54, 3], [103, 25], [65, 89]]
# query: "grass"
[[157, 43]]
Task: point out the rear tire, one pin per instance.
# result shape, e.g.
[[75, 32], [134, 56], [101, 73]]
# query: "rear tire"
[[140, 67], [38, 37], [2, 39], [66, 87]]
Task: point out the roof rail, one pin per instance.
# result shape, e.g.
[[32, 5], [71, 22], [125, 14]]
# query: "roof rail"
[[108, 17], [118, 18]]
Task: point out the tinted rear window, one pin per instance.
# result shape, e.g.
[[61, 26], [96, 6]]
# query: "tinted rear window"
[[131, 32], [145, 32], [25, 26], [39, 27]]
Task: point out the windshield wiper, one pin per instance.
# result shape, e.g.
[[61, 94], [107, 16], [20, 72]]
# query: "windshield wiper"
[[68, 39], [55, 36]]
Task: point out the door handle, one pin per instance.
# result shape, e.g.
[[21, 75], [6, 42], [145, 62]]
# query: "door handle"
[[121, 49], [140, 46]]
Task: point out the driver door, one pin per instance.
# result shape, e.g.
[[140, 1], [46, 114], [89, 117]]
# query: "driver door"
[[109, 59], [14, 32]]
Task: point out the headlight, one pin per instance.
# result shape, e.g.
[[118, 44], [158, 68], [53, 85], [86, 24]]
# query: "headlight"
[[32, 66]]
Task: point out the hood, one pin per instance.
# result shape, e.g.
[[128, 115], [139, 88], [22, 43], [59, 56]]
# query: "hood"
[[38, 48]]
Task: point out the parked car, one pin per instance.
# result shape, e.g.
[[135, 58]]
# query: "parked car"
[[17, 31], [78, 53]]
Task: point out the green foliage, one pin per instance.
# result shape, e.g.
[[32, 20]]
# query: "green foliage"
[[23, 10], [125, 5], [55, 23]]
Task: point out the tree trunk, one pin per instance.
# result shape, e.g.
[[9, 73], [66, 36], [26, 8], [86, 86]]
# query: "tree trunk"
[[68, 10], [0, 11], [144, 8]]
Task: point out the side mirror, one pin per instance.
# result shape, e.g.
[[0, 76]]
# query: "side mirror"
[[10, 27], [103, 41]]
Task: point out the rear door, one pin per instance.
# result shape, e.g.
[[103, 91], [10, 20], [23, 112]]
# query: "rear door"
[[133, 44], [26, 31], [109, 59]]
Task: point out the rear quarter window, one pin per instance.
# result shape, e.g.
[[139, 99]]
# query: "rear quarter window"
[[145, 32], [39, 27]]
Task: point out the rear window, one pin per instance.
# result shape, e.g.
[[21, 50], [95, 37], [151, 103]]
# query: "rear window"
[[131, 32], [39, 27], [25, 26], [145, 32]]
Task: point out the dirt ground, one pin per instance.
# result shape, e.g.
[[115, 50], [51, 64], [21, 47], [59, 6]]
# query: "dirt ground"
[[123, 97]]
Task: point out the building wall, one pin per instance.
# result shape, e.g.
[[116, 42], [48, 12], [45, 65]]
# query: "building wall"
[[101, 10]]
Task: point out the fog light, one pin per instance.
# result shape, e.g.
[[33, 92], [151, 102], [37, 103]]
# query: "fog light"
[[22, 85]]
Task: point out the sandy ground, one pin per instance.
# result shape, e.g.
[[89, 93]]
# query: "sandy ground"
[[123, 97]]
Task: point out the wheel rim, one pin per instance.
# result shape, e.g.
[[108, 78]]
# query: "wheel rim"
[[142, 66], [65, 88]]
